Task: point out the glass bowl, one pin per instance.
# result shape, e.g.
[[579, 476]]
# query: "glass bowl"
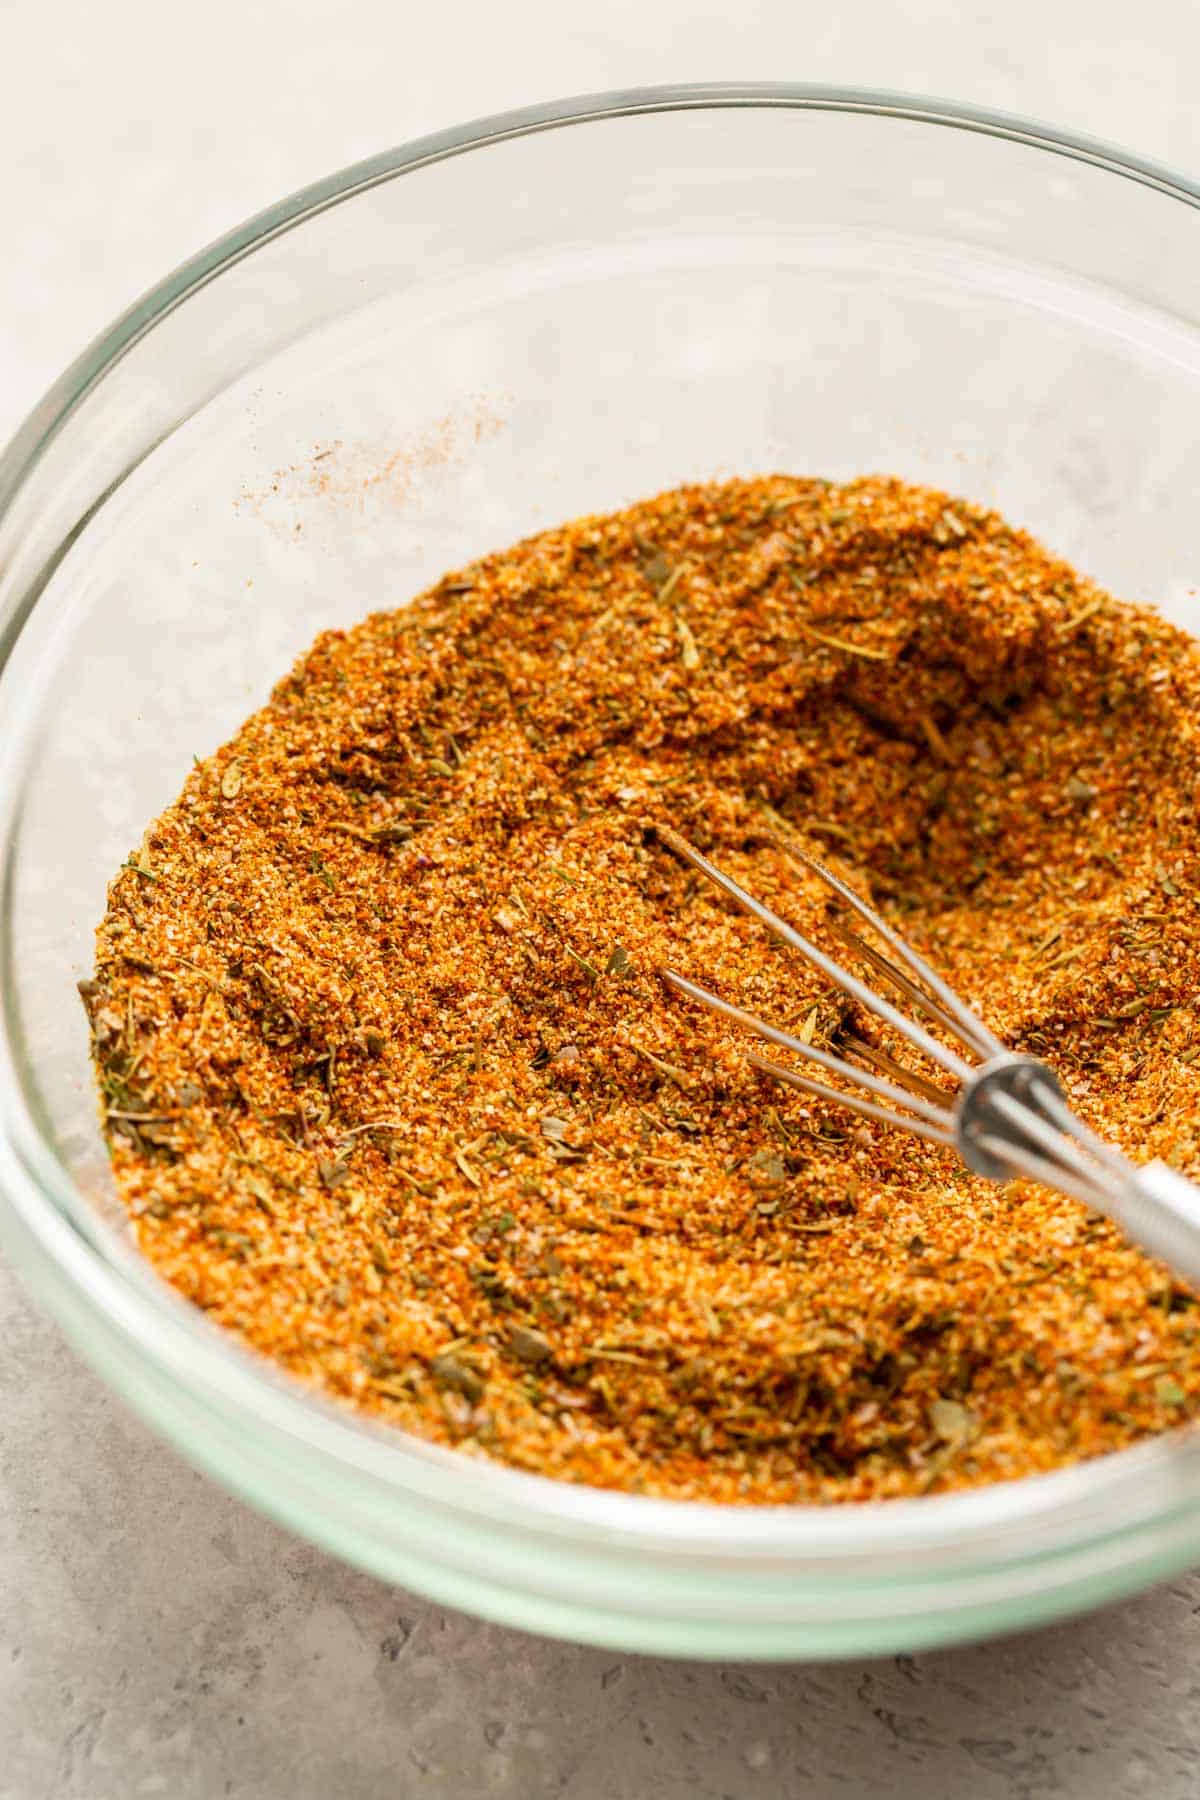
[[428, 356]]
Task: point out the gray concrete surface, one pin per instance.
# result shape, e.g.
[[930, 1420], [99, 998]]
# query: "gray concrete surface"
[[155, 1637]]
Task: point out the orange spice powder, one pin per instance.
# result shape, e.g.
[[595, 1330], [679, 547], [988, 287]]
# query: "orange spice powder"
[[395, 1092]]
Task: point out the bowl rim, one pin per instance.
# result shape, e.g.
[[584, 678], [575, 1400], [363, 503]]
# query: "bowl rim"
[[51, 412], [1067, 1505]]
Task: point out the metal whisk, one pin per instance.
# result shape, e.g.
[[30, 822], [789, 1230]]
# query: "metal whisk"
[[1003, 1112]]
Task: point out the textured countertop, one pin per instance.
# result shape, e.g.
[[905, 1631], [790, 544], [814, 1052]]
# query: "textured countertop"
[[155, 1636]]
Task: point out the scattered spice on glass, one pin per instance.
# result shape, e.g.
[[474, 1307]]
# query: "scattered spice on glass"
[[395, 1093]]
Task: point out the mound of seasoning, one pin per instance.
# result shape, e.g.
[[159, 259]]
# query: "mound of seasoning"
[[395, 1093]]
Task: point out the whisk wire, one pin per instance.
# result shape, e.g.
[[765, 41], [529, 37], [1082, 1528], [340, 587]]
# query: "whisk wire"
[[850, 984], [887, 1090], [1061, 1115], [856, 1102], [1066, 1151], [888, 1065], [883, 965], [1050, 1171], [969, 1026]]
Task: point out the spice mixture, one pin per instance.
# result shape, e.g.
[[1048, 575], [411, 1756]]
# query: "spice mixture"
[[395, 1091]]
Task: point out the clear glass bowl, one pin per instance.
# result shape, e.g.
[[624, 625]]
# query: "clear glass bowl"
[[428, 356]]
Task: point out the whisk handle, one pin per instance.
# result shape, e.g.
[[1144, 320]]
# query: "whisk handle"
[[1161, 1213]]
